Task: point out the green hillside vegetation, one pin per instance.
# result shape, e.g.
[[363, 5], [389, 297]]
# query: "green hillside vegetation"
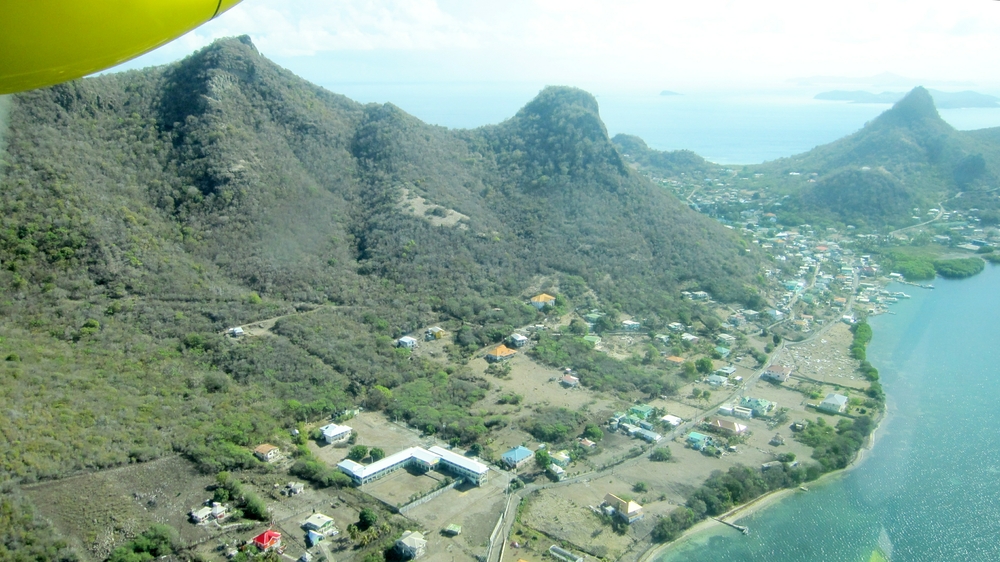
[[146, 212], [669, 163]]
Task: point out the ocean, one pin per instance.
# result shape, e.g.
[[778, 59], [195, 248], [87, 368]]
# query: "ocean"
[[726, 128], [929, 488]]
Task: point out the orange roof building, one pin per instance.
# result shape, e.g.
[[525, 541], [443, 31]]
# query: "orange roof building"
[[542, 300], [266, 452], [500, 353], [675, 359]]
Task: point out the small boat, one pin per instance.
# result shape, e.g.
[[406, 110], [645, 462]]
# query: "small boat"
[[803, 488]]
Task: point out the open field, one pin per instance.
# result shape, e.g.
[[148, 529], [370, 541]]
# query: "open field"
[[539, 386], [476, 509], [564, 513], [402, 487], [98, 511]]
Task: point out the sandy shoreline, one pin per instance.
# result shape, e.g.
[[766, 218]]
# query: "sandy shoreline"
[[762, 502]]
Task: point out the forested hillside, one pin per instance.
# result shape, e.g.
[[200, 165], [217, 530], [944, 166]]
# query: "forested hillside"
[[145, 212]]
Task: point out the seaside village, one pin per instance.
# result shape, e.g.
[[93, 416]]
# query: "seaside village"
[[595, 491], [575, 473]]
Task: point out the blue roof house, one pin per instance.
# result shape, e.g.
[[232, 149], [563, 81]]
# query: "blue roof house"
[[516, 457]]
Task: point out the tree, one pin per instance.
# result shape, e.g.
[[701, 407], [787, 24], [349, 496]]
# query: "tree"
[[640, 487], [704, 365], [661, 454], [357, 453], [593, 432], [542, 459], [367, 518], [689, 370], [578, 327], [377, 454], [377, 397]]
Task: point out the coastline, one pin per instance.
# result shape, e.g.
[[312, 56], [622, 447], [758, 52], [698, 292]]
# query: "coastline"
[[761, 502]]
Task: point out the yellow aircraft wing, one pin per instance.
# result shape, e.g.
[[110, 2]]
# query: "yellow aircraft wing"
[[44, 42]]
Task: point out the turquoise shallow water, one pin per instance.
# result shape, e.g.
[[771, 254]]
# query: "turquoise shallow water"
[[930, 488]]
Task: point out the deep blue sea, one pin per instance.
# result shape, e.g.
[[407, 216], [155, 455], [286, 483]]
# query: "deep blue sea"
[[727, 128], [929, 490]]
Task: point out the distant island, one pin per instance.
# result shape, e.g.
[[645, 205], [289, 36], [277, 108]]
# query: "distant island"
[[943, 100], [669, 93]]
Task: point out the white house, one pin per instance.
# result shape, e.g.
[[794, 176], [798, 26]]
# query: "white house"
[[407, 342], [673, 421], [518, 340], [320, 523], [716, 380], [411, 545], [833, 403], [777, 373], [201, 515], [266, 452], [335, 434], [557, 471]]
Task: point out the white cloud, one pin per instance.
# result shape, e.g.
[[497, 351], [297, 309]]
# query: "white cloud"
[[625, 41]]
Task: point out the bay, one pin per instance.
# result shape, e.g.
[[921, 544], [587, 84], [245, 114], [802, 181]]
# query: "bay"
[[929, 490]]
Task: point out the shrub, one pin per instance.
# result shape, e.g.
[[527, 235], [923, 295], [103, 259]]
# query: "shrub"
[[660, 454]]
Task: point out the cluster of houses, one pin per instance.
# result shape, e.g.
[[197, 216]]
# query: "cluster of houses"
[[518, 456], [211, 511], [318, 527], [635, 423], [748, 408]]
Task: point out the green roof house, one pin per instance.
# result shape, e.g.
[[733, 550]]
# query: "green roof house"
[[641, 410], [759, 406]]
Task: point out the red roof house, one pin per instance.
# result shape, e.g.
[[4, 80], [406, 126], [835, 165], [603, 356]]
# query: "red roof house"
[[267, 540]]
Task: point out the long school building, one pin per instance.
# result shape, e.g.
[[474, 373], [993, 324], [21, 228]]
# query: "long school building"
[[436, 458]]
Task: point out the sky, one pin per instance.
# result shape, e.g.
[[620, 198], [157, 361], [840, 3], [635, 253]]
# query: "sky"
[[623, 44]]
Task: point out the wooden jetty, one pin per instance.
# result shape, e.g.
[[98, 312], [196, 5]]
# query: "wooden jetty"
[[740, 528]]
